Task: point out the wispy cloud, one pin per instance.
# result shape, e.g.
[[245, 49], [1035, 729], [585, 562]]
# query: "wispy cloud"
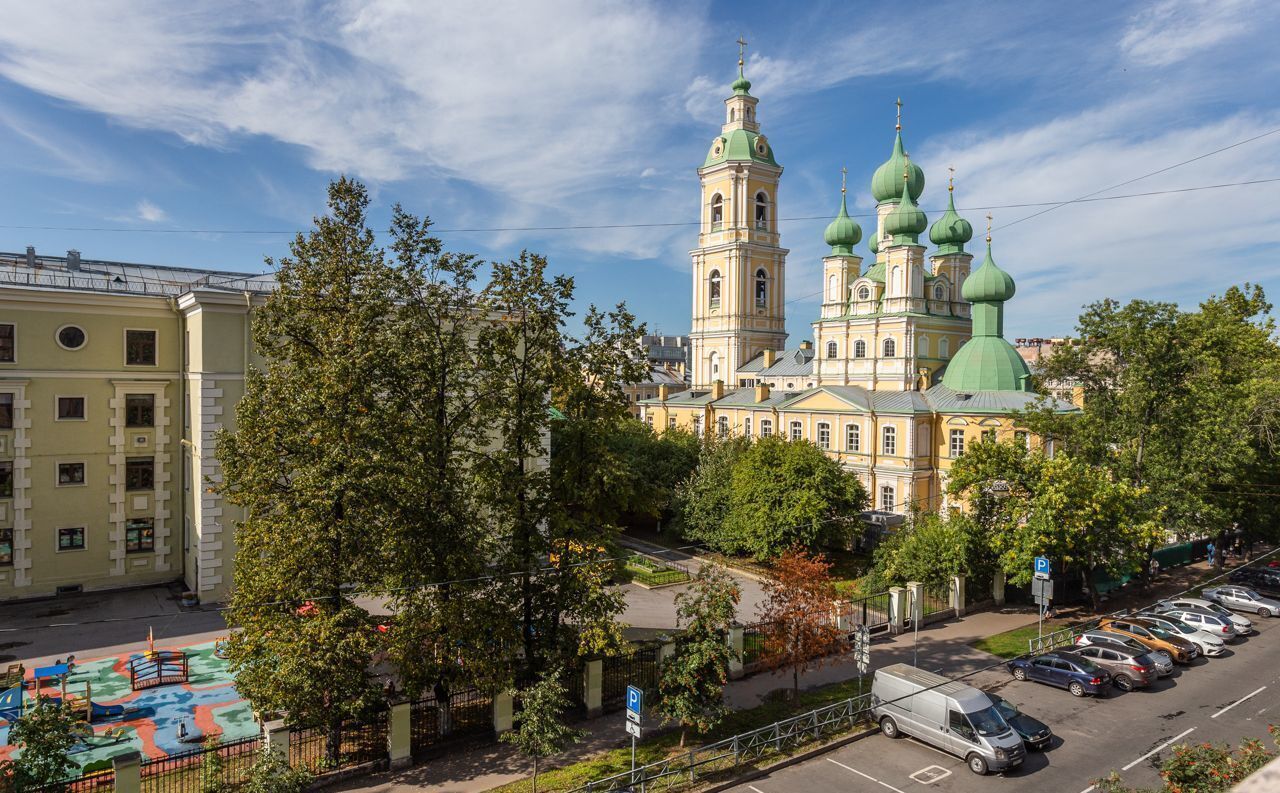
[[1173, 30], [150, 213]]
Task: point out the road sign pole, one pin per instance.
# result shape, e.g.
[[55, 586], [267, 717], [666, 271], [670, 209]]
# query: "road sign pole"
[[633, 760]]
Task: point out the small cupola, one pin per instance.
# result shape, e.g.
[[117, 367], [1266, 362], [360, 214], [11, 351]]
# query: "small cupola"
[[907, 221], [843, 232], [950, 232], [886, 183]]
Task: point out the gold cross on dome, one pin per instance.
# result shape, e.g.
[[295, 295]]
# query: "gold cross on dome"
[[988, 227], [951, 180], [843, 173], [742, 48], [898, 126]]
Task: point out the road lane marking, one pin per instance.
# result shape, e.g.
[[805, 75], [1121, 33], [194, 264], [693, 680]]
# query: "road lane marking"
[[1089, 789], [864, 776], [1159, 748], [1238, 701], [756, 789]]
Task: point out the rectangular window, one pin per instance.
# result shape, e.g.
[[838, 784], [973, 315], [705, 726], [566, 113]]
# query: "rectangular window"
[[71, 539], [722, 426], [797, 430], [957, 443], [1022, 438], [8, 350], [140, 348], [6, 479], [746, 428], [697, 426], [140, 410], [70, 474], [139, 536], [889, 443], [888, 497], [6, 411], [989, 436], [6, 547], [70, 408], [766, 428], [648, 420], [671, 422], [852, 438], [824, 436], [139, 473]]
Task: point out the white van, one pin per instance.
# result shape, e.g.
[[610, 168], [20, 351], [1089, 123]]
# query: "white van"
[[956, 718]]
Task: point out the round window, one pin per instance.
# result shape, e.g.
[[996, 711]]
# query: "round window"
[[71, 337]]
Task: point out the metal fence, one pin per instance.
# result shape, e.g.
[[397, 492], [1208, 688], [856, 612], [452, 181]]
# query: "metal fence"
[[723, 757], [653, 571], [97, 782], [574, 680], [359, 742], [466, 715], [184, 772], [871, 611], [638, 668], [755, 639]]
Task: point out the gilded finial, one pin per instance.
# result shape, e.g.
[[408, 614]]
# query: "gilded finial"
[[898, 125], [988, 228], [951, 180], [742, 48], [844, 172]]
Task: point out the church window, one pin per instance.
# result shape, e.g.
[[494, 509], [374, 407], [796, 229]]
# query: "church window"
[[762, 288], [766, 428], [922, 346], [790, 386], [715, 288], [671, 422], [864, 293], [717, 212], [824, 435], [762, 211], [852, 437], [748, 111], [697, 426], [832, 349], [859, 349], [731, 114], [944, 348], [714, 360], [889, 441], [888, 498], [833, 290], [939, 293], [722, 426], [895, 278], [890, 348], [797, 430], [746, 427], [957, 443], [988, 436]]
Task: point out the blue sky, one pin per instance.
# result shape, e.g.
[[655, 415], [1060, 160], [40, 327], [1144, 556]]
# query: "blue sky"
[[154, 116]]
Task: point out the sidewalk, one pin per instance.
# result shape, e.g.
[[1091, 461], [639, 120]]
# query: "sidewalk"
[[943, 645]]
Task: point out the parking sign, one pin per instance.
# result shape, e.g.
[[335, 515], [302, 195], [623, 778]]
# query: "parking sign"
[[1042, 567], [635, 700]]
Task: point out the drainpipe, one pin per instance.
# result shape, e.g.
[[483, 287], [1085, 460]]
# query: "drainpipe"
[[184, 366]]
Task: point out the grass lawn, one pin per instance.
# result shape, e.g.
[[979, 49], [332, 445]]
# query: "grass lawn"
[[1013, 643], [615, 761]]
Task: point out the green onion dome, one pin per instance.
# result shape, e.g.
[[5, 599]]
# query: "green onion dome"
[[951, 231], [886, 183], [873, 242], [988, 283], [741, 85], [843, 232], [907, 221]]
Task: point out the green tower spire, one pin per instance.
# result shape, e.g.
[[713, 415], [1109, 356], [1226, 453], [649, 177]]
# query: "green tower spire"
[[741, 85], [843, 232], [905, 223], [950, 232], [886, 183]]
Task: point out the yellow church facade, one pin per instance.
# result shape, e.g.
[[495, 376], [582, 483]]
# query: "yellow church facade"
[[908, 365]]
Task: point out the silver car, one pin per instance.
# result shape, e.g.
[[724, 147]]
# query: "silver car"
[[1162, 660], [1209, 644], [1242, 598], [1242, 625], [1206, 621]]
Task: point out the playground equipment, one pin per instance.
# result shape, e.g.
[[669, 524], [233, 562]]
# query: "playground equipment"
[[13, 703], [220, 647], [158, 668]]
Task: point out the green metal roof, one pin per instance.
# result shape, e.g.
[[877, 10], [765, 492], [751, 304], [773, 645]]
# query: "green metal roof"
[[988, 283], [951, 231], [906, 221], [875, 272], [987, 363], [886, 183], [843, 232], [740, 145]]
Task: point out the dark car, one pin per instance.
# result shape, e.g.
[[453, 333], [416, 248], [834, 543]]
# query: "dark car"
[[1078, 675], [1265, 581], [1035, 733]]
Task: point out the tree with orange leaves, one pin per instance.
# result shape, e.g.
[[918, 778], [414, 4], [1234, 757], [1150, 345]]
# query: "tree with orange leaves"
[[800, 628]]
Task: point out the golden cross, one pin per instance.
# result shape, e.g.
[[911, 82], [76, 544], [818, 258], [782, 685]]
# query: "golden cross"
[[843, 173], [898, 126], [988, 227], [951, 180], [742, 48]]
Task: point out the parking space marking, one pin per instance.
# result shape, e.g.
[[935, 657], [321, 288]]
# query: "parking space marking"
[[1159, 748], [1238, 701], [935, 772], [756, 789], [1089, 789], [865, 776]]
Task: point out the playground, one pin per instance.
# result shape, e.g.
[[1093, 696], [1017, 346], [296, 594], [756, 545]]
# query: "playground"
[[160, 702]]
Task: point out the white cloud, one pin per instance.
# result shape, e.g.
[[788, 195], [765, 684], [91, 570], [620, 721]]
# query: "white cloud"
[[1172, 30], [150, 213]]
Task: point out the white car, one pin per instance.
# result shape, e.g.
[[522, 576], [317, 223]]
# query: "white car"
[[1209, 644], [1213, 624], [1242, 598], [1243, 625]]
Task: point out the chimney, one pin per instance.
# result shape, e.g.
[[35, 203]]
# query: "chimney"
[[717, 389], [768, 359], [762, 392], [806, 345], [664, 391], [73, 260], [31, 256]]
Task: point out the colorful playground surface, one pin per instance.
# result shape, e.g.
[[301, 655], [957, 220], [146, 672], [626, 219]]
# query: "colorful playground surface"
[[159, 721]]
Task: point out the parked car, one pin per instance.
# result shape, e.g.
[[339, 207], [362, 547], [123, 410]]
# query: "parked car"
[[1129, 668], [1034, 733], [1162, 659], [1181, 650], [1261, 579], [1202, 619], [1243, 625], [1208, 644], [954, 717], [1078, 675], [1242, 598]]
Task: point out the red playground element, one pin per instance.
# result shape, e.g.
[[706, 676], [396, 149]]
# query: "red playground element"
[[158, 668]]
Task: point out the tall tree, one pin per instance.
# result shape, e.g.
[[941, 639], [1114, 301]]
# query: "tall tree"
[[800, 630], [704, 499], [931, 548], [691, 691], [655, 465], [44, 735]]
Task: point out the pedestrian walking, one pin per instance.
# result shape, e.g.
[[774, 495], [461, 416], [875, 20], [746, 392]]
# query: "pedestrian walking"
[[1211, 549], [1155, 568]]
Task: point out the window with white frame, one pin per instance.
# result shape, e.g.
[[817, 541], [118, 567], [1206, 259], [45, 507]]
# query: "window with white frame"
[[888, 498], [717, 212], [824, 435], [722, 426], [864, 293], [944, 348], [762, 211], [746, 427], [939, 293], [714, 292], [833, 291], [890, 348], [71, 539], [139, 535], [832, 349], [8, 342], [797, 430], [140, 348], [648, 420], [715, 364], [922, 346], [889, 441], [957, 443], [859, 349], [988, 436], [766, 428], [70, 408], [852, 437], [762, 288], [671, 422], [697, 426], [1022, 438]]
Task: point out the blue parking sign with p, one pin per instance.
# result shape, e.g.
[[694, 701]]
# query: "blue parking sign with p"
[[635, 700], [1042, 565]]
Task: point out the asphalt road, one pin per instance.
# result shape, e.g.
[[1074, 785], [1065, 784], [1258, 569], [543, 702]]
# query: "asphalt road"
[[1223, 700]]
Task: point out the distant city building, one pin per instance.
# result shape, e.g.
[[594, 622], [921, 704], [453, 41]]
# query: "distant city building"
[[671, 351], [1035, 352]]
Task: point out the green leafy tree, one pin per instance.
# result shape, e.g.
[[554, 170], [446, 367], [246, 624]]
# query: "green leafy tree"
[[540, 730], [271, 773], [212, 768], [655, 465], [44, 736], [703, 500], [800, 633], [691, 691], [930, 548]]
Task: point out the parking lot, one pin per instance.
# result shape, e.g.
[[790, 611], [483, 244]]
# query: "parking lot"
[[1223, 699]]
